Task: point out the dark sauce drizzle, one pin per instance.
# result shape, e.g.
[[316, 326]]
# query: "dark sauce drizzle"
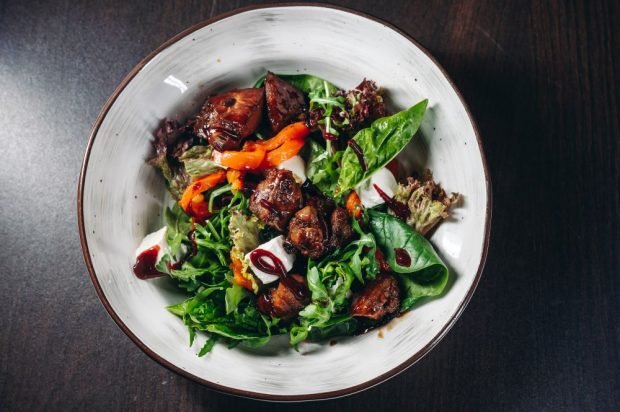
[[365, 325], [359, 153], [399, 208], [267, 205], [260, 258], [145, 264], [402, 257]]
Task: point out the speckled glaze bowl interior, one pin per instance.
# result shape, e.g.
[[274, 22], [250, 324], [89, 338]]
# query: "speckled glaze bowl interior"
[[121, 197]]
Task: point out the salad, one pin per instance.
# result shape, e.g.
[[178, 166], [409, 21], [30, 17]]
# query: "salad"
[[291, 214]]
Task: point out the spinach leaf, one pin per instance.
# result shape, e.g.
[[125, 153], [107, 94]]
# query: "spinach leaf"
[[426, 275], [309, 83], [380, 143]]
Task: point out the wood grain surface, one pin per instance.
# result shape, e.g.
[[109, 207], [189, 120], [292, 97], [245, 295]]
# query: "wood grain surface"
[[543, 329]]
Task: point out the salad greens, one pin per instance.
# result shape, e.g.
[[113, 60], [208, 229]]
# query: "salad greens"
[[207, 256], [330, 281], [323, 168], [427, 202], [306, 83], [198, 161], [426, 275], [219, 305], [380, 143]]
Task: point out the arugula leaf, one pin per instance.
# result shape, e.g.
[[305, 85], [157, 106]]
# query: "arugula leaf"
[[179, 225], [206, 311], [188, 272], [427, 275], [322, 168], [329, 281], [209, 344], [316, 313], [380, 143]]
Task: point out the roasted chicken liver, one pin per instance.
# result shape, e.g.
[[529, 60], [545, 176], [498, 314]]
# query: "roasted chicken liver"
[[380, 297], [284, 102], [307, 231], [227, 118], [276, 198], [283, 301]]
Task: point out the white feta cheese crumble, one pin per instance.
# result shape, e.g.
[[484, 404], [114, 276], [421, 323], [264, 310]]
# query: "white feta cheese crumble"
[[157, 238], [297, 166], [385, 180], [276, 247]]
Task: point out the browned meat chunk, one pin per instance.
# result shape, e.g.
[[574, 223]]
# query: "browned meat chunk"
[[340, 227], [322, 204], [379, 298], [276, 198], [308, 232], [227, 118], [284, 102], [285, 300]]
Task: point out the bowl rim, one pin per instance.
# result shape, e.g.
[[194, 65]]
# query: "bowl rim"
[[240, 392]]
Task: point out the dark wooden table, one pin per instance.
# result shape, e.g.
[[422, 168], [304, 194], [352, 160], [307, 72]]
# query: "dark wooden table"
[[541, 333]]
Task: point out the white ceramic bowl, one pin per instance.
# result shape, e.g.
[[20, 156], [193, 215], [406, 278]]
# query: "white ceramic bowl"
[[120, 197]]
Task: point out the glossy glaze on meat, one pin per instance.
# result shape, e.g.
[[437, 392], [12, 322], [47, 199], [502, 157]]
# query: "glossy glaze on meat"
[[284, 102], [227, 118], [307, 232], [318, 200], [340, 226], [282, 302], [379, 298], [276, 198]]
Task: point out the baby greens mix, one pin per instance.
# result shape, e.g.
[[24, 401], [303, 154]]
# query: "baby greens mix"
[[342, 139]]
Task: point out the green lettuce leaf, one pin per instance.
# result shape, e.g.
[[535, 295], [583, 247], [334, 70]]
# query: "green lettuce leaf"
[[380, 143], [245, 235], [427, 202], [198, 163]]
